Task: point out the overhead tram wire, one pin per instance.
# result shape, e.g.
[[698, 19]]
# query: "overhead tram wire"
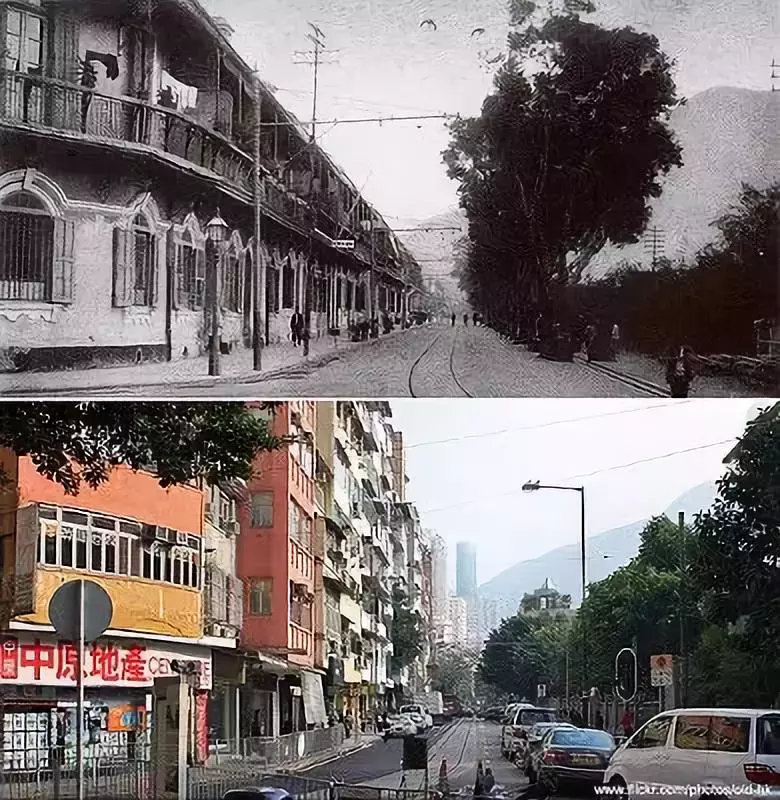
[[393, 118]]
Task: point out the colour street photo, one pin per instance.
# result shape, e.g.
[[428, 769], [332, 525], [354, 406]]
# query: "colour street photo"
[[439, 199]]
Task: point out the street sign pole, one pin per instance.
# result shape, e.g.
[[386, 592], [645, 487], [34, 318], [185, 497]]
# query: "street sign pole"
[[80, 611], [80, 698]]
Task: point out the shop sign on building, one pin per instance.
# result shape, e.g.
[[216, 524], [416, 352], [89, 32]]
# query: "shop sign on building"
[[44, 661]]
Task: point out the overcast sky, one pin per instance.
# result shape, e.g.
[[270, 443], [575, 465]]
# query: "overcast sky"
[[388, 65], [467, 460]]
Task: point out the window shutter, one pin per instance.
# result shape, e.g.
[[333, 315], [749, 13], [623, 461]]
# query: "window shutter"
[[123, 277], [200, 276], [174, 264], [62, 266], [154, 271], [66, 49]]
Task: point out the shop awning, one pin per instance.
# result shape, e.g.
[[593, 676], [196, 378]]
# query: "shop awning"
[[313, 698]]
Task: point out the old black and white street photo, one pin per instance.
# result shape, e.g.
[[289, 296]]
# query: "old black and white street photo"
[[214, 198]]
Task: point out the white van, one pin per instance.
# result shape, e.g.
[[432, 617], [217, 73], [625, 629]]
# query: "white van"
[[680, 753]]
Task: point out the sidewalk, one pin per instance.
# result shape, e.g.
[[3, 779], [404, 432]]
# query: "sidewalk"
[[234, 368]]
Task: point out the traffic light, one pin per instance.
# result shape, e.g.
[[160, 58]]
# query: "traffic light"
[[626, 674]]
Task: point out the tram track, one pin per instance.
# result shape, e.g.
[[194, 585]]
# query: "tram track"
[[419, 364], [647, 387]]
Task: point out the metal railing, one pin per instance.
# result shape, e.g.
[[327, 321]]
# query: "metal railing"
[[40, 102], [50, 774], [211, 782]]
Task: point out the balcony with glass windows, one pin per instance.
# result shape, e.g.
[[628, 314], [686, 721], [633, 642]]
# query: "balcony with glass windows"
[[153, 574]]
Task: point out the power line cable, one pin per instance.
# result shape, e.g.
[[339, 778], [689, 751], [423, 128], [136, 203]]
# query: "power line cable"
[[552, 423], [670, 454]]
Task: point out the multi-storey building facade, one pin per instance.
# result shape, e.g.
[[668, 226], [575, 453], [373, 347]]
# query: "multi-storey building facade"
[[157, 553], [277, 566], [137, 146], [439, 585]]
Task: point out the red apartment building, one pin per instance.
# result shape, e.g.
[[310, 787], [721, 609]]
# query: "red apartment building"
[[276, 563]]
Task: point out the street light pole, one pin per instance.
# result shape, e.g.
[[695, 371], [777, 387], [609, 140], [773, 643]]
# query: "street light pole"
[[216, 232], [534, 486], [259, 272]]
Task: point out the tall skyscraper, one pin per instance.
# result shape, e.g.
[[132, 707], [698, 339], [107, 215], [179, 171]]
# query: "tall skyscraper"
[[466, 570]]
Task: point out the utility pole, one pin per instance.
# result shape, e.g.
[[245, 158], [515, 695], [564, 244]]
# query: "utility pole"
[[260, 301], [654, 244], [681, 599], [311, 58]]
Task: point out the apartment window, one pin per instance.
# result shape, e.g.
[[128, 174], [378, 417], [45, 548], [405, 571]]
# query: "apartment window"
[[110, 546], [260, 597], [24, 41], [190, 274], [262, 509], [135, 265]]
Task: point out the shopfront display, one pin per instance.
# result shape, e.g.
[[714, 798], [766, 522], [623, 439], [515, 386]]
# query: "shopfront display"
[[38, 699]]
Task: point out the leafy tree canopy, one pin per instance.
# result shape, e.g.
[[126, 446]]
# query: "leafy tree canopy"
[[563, 157], [407, 633], [74, 442]]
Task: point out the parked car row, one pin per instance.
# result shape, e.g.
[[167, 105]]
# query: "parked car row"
[[412, 719], [728, 751]]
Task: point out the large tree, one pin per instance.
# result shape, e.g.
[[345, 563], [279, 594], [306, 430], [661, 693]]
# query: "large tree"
[[512, 659], [71, 443], [737, 565], [562, 159]]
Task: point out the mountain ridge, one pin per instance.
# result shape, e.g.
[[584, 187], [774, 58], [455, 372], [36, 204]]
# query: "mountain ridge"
[[606, 552]]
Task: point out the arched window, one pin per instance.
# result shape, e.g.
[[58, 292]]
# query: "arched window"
[[36, 251], [135, 265], [232, 279], [190, 273], [288, 284]]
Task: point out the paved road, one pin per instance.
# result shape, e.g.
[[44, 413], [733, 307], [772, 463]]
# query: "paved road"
[[430, 361], [462, 745]]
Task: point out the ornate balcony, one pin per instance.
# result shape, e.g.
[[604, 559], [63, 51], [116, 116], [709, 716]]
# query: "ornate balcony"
[[37, 104]]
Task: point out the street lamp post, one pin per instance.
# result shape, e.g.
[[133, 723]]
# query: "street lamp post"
[[534, 486], [216, 233]]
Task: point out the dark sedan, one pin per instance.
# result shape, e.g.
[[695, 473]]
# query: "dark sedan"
[[574, 756]]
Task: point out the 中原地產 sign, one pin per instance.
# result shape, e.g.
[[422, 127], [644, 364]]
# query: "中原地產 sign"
[[47, 661]]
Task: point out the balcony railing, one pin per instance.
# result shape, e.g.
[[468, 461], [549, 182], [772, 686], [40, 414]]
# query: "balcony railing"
[[39, 102], [299, 640]]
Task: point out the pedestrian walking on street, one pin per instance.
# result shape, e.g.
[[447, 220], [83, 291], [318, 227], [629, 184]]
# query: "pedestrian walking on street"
[[466, 320], [474, 319], [590, 338], [489, 781], [296, 328], [453, 320], [615, 340], [679, 371], [627, 723], [480, 781]]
